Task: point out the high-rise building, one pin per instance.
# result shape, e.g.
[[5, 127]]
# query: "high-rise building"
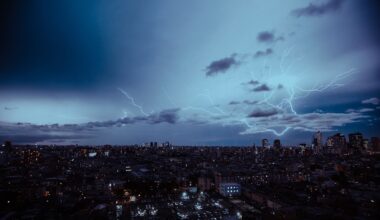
[[355, 141], [317, 142], [329, 142], [365, 144], [375, 144], [338, 143], [339, 140], [230, 189], [277, 143], [153, 144], [265, 143]]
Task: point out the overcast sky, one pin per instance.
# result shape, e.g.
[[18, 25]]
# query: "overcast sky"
[[189, 72]]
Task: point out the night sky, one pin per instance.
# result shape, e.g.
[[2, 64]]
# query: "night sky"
[[189, 72]]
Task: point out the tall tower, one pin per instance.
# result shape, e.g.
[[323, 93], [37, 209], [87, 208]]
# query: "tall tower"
[[265, 143], [277, 144], [339, 143], [356, 141], [317, 142]]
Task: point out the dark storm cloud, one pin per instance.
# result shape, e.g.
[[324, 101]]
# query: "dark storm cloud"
[[265, 36], [291, 119], [257, 88], [312, 116], [9, 108], [261, 88], [364, 110], [169, 116], [234, 103], [373, 101], [24, 139], [268, 37], [248, 102], [166, 116], [251, 82], [318, 9], [29, 127], [258, 113], [221, 66], [20, 131], [263, 53], [360, 110], [51, 43], [31, 133]]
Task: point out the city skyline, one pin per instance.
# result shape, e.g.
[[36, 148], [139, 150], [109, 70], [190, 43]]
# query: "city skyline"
[[316, 142], [191, 73]]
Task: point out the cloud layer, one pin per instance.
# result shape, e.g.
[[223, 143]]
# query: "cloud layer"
[[221, 66], [373, 101], [263, 53], [261, 88], [318, 9], [305, 122], [265, 36], [28, 132], [268, 37], [258, 113]]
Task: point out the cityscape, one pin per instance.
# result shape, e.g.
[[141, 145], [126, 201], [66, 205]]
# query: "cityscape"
[[336, 179], [196, 110]]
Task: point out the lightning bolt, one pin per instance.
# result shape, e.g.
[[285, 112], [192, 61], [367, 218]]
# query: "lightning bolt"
[[332, 83], [139, 107], [285, 104]]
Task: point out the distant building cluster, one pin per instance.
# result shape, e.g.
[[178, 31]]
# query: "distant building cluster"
[[335, 144], [336, 178]]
